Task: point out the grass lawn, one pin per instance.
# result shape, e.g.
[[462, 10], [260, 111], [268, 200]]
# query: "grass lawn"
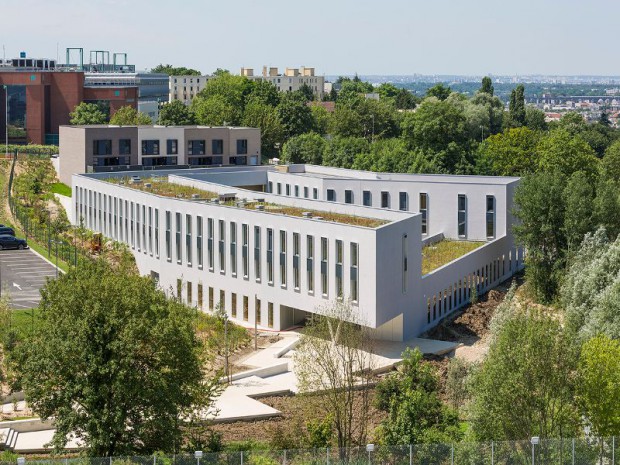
[[441, 253], [60, 188], [25, 321]]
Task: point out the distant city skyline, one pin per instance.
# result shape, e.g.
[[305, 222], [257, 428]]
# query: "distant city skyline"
[[343, 37]]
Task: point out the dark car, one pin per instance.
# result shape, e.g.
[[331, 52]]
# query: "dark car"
[[5, 230], [12, 242]]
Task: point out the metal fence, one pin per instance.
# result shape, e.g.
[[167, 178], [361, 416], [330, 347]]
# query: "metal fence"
[[583, 451], [58, 246]]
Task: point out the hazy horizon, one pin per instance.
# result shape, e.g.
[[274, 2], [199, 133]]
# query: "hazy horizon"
[[394, 37]]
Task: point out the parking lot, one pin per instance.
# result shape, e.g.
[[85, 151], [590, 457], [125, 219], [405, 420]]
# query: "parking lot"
[[22, 274]]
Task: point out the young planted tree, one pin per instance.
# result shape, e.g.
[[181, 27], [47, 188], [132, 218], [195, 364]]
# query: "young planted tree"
[[333, 364], [115, 362], [87, 113], [129, 116]]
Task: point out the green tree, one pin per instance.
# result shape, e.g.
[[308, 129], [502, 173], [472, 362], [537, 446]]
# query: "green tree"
[[540, 209], [439, 91], [393, 156], [295, 115], [222, 100], [114, 362], [604, 119], [216, 111], [176, 113], [260, 115], [610, 164], [513, 152], [487, 86], [535, 119], [573, 122], [516, 106], [599, 385], [559, 151], [495, 109], [405, 100], [607, 206], [87, 113], [322, 119], [305, 148], [590, 293], [129, 116], [579, 214], [341, 151], [415, 412], [307, 92], [264, 92], [526, 385], [175, 71]]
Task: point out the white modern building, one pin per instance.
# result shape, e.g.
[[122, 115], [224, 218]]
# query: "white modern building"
[[273, 244], [185, 88]]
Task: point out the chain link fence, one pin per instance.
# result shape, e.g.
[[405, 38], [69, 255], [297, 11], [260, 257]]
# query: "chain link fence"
[[582, 451]]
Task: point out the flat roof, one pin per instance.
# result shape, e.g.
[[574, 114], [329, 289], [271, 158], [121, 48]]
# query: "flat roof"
[[148, 126]]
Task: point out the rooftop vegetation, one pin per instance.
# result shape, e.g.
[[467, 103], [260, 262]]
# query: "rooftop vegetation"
[[441, 253], [161, 186]]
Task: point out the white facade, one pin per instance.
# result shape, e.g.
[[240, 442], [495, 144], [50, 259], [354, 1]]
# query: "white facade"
[[185, 88], [279, 268]]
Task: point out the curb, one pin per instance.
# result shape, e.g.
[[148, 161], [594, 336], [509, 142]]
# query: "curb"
[[41, 256]]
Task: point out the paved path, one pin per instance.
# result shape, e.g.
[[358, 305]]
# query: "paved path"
[[22, 274]]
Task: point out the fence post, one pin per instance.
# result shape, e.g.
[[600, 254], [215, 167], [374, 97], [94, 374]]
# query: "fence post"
[[492, 453], [410, 454], [327, 456], [613, 450], [284, 457], [573, 451], [241, 457], [452, 455]]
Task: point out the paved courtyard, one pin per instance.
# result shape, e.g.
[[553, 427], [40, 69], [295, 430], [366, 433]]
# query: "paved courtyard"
[[22, 275]]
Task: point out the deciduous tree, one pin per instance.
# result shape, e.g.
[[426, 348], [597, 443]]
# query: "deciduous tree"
[[176, 113], [87, 113], [129, 116]]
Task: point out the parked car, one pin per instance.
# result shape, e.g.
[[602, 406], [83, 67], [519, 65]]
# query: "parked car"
[[12, 242], [5, 230]]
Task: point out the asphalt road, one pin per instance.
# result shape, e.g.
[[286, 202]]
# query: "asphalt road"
[[22, 275]]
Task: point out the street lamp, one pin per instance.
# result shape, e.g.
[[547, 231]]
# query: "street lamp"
[[6, 120], [535, 441]]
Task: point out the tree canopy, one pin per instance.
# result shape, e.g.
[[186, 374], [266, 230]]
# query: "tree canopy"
[[87, 113], [175, 70], [129, 116], [176, 113]]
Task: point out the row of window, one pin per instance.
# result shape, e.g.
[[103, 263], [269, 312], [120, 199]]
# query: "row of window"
[[212, 305], [138, 226], [152, 147], [459, 293]]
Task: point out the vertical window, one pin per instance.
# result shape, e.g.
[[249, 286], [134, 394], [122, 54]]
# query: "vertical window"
[[179, 289], [221, 245], [367, 198], [200, 296], [339, 260], [305, 192], [288, 189], [257, 252], [199, 241], [189, 293], [310, 262], [270, 314], [462, 215], [168, 236], [296, 191], [210, 242], [331, 195], [137, 225], [270, 256], [156, 230], [188, 239], [121, 236], [490, 217], [403, 201], [315, 193], [233, 248], [150, 230], [178, 238], [354, 272], [222, 301], [133, 243], [144, 227], [257, 311], [424, 212], [296, 258], [245, 308], [385, 199], [324, 264], [348, 196], [405, 245], [233, 305], [270, 187], [211, 299], [283, 258], [279, 186], [245, 249]]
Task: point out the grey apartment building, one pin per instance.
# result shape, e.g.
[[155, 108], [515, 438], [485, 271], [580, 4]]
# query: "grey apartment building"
[[98, 148]]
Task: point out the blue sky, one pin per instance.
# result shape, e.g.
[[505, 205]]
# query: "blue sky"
[[334, 36]]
